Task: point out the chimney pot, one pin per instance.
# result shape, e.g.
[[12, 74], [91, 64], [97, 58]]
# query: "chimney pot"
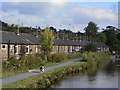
[[18, 30], [63, 36], [57, 35], [67, 37]]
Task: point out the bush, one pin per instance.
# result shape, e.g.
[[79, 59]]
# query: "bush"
[[58, 57], [91, 47], [50, 57], [74, 55], [24, 63]]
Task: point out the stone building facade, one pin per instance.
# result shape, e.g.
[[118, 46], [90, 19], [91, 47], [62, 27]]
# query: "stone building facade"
[[13, 44]]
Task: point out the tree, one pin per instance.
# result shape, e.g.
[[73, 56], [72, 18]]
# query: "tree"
[[91, 29], [91, 47], [118, 36], [112, 40], [46, 41], [103, 37]]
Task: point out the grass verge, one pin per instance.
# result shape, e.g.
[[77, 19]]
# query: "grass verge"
[[46, 64], [46, 79]]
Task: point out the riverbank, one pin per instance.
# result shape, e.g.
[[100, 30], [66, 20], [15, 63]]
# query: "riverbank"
[[46, 79], [13, 66]]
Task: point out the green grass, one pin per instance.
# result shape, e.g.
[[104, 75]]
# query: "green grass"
[[46, 64], [23, 83], [34, 81]]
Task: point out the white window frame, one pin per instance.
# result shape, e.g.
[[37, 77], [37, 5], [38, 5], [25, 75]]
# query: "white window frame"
[[70, 48], [2, 46], [28, 49], [65, 49], [36, 49], [16, 46], [58, 49], [11, 47]]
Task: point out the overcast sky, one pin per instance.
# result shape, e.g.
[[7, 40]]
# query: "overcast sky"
[[73, 15]]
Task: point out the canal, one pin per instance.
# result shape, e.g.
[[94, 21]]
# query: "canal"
[[105, 76]]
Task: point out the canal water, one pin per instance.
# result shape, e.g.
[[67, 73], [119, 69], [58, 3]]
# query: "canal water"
[[104, 77]]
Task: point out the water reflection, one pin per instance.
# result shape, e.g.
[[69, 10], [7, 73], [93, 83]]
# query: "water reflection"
[[105, 77]]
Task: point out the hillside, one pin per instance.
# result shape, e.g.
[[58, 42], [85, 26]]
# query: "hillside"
[[11, 27]]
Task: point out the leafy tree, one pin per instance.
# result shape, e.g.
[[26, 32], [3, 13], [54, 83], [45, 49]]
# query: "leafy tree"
[[118, 36], [112, 40], [91, 29], [91, 47], [103, 37], [53, 29], [46, 41]]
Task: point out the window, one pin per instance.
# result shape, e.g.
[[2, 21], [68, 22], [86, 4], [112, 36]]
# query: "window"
[[58, 48], [65, 48], [16, 49], [3, 46], [80, 40], [36, 49], [70, 48], [27, 49], [10, 46]]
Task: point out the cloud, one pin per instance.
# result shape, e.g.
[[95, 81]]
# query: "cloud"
[[61, 0], [41, 14], [28, 20]]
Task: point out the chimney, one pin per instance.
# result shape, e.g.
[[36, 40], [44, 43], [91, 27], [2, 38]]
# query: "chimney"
[[18, 30], [80, 39], [36, 33], [73, 37], [63, 36], [76, 36], [57, 35], [67, 36], [30, 28]]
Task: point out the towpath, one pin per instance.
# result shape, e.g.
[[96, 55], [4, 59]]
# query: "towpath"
[[18, 77]]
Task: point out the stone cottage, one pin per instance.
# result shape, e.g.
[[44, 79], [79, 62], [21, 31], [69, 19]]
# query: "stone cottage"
[[18, 44]]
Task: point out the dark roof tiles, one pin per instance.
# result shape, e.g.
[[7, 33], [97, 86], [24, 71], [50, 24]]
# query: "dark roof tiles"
[[11, 37], [31, 39]]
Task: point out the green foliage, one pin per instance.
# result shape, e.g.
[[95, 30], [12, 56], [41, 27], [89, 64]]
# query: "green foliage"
[[62, 72], [91, 29], [24, 63], [92, 58], [58, 57], [59, 73], [103, 37], [91, 47], [112, 40], [47, 79], [118, 36], [46, 41], [74, 55]]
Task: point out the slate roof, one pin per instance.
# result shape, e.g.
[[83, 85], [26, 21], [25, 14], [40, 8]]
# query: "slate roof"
[[22, 38], [66, 42], [30, 39]]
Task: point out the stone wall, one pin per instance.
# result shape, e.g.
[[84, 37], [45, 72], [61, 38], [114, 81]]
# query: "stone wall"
[[21, 50], [33, 49]]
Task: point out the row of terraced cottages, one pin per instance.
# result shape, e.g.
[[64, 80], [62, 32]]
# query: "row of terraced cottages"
[[13, 44]]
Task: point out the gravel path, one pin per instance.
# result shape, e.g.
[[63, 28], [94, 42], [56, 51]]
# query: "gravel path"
[[18, 77]]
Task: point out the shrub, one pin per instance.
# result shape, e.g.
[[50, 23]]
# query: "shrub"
[[91, 47], [74, 55], [50, 57], [59, 57], [24, 63]]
